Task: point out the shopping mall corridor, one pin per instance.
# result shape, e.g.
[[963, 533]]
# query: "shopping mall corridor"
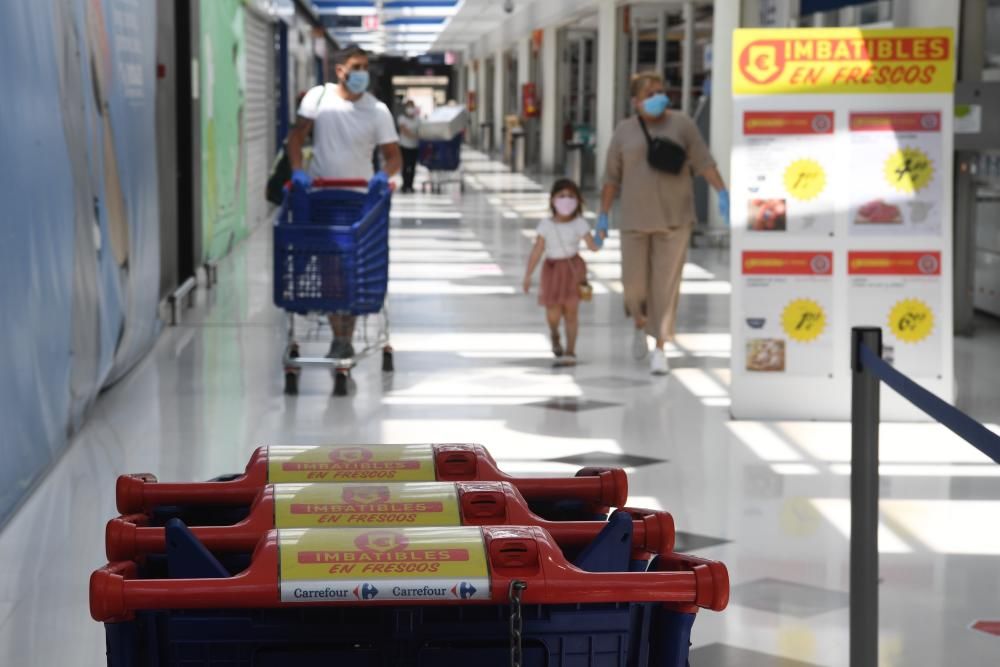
[[473, 364]]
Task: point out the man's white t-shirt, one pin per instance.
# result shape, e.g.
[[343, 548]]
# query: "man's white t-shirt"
[[562, 239], [413, 125], [345, 133]]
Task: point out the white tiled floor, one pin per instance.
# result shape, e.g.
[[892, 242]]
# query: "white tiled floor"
[[472, 356]]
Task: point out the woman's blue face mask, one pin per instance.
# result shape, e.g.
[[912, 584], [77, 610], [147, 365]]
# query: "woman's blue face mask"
[[655, 106]]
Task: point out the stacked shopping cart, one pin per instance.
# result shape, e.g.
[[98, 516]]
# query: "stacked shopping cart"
[[395, 556]]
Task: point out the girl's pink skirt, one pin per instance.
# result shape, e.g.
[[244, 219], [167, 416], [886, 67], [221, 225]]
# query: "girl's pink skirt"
[[560, 281]]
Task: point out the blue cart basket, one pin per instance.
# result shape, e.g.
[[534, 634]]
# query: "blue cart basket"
[[443, 159], [331, 256]]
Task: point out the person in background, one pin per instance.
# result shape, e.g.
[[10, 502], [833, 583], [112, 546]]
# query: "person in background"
[[409, 142], [347, 124], [657, 212], [564, 270]]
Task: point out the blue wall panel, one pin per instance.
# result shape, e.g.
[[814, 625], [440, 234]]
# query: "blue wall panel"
[[79, 256]]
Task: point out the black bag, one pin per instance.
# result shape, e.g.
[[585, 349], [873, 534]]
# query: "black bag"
[[662, 154], [281, 173]]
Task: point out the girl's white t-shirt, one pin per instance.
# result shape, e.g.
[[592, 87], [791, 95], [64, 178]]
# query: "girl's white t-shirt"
[[562, 239]]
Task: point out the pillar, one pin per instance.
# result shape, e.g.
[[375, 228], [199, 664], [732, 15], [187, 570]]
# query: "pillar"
[[607, 68], [687, 57], [499, 101], [523, 68], [727, 19], [551, 136]]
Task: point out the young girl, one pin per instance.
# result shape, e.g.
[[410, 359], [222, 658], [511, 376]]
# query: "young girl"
[[564, 270]]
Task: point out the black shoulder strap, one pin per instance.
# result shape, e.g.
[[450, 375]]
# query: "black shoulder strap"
[[645, 131]]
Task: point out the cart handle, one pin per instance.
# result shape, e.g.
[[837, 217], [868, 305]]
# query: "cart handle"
[[513, 552], [345, 183], [339, 183], [453, 463]]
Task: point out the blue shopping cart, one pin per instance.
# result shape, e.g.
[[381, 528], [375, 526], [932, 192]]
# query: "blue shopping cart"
[[331, 256], [443, 159]]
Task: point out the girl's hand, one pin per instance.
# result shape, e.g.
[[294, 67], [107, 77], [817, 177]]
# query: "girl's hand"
[[527, 284]]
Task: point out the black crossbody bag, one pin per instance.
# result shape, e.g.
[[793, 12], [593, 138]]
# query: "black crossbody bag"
[[662, 154]]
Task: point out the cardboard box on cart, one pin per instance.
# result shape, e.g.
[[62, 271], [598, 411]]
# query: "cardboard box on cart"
[[444, 123]]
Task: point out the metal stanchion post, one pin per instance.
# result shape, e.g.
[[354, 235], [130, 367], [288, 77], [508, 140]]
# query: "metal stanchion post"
[[865, 387]]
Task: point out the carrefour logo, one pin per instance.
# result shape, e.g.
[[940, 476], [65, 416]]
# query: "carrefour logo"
[[763, 61], [365, 592]]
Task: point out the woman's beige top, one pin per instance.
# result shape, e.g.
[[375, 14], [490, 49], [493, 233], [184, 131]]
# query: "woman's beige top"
[[653, 200]]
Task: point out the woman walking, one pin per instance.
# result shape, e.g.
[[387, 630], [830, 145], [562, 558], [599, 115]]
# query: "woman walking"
[[651, 163]]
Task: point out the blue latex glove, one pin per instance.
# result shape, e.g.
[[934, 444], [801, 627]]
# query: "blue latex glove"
[[724, 205], [598, 240], [602, 223], [301, 179], [381, 176]]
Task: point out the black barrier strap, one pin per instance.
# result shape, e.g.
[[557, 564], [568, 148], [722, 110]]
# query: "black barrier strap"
[[957, 421]]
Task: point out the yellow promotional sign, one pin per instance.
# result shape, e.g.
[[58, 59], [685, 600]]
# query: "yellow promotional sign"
[[911, 321], [351, 463], [357, 565], [392, 504], [843, 60]]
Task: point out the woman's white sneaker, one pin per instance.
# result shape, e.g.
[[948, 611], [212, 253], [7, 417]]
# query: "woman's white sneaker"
[[640, 346], [658, 363]]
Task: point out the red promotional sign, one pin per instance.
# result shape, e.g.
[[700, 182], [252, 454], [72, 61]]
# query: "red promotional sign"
[[787, 122], [775, 263], [896, 122], [882, 263]]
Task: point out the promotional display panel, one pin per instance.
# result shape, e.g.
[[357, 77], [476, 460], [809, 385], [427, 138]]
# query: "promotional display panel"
[[786, 323], [904, 289], [842, 161]]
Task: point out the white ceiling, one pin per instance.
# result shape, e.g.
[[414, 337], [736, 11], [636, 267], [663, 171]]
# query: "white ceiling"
[[474, 19]]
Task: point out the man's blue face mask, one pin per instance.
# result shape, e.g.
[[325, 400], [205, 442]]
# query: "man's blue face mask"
[[358, 81], [655, 106]]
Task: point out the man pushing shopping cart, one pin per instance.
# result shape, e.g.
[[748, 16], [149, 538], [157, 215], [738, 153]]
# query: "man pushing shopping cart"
[[347, 124]]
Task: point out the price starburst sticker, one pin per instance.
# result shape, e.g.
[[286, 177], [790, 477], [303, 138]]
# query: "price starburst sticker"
[[803, 320], [911, 321], [805, 179], [909, 170]]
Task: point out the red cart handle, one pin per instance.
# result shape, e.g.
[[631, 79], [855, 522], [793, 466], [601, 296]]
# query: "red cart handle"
[[339, 183], [480, 504], [345, 183], [452, 463], [514, 553]]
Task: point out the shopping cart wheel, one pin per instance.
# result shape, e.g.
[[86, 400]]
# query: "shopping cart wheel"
[[387, 363], [340, 383], [291, 383]]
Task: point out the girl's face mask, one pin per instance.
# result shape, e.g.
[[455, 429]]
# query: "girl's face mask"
[[565, 205]]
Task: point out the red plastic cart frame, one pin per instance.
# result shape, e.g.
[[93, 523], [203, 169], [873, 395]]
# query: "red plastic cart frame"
[[520, 553], [605, 487], [479, 504]]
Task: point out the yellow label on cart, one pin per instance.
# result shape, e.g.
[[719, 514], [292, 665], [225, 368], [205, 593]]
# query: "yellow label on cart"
[[356, 565], [351, 463], [393, 504]]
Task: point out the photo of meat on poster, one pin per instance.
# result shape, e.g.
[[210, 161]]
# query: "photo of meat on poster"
[[896, 163]]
